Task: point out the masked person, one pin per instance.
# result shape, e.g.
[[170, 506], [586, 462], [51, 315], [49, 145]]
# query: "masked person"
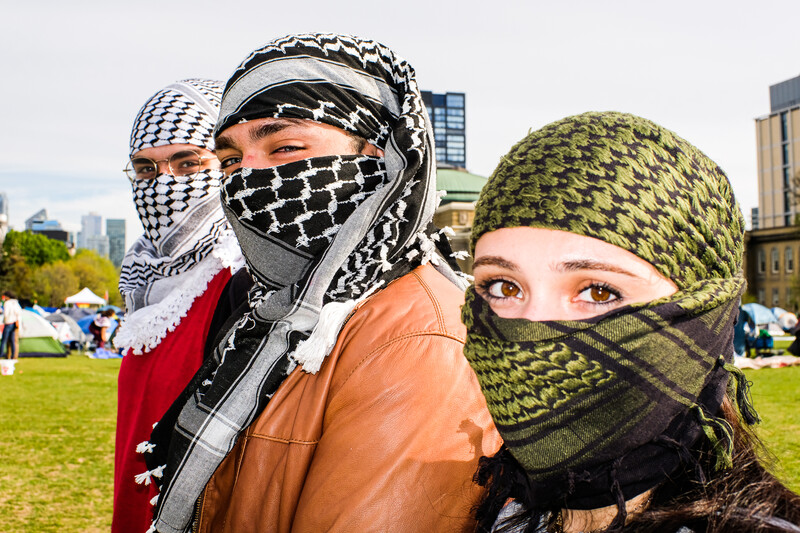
[[608, 273], [176, 279], [341, 400]]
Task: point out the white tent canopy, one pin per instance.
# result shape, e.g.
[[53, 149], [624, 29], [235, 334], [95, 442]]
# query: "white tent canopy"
[[85, 296]]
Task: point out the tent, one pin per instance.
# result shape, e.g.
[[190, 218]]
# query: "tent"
[[760, 315], [69, 332], [38, 337], [85, 297]]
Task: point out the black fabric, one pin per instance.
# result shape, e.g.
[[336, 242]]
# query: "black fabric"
[[233, 296]]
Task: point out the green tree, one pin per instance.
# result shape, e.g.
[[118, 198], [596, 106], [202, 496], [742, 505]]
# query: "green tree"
[[54, 282], [35, 248], [97, 273]]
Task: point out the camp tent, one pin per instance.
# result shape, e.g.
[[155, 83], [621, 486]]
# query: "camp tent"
[[763, 318], [69, 332], [85, 297], [38, 337]]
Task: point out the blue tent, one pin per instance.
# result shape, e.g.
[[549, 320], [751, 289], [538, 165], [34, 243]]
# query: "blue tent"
[[759, 314]]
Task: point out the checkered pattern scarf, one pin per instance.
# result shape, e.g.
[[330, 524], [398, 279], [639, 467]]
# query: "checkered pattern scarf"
[[599, 410], [318, 235], [186, 240]]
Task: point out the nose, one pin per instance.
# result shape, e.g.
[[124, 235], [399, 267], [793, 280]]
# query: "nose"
[[542, 308], [256, 159], [163, 167]]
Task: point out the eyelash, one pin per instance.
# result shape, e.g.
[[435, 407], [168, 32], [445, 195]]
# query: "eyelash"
[[484, 286], [606, 287]]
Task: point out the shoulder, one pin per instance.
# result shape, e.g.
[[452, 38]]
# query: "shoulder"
[[414, 321]]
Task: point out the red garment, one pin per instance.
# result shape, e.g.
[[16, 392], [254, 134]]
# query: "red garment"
[[148, 384]]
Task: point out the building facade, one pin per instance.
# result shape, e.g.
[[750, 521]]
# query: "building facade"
[[771, 266], [778, 155], [115, 231], [447, 112], [91, 226], [457, 208]]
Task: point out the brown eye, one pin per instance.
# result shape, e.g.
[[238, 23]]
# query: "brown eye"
[[502, 289], [509, 289], [600, 294]]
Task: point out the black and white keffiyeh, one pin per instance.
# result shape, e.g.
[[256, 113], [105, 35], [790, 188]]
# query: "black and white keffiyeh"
[[319, 235], [186, 240]]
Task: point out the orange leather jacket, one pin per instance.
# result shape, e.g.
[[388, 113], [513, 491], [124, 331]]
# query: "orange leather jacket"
[[385, 437]]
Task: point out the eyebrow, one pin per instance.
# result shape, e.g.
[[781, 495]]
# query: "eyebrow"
[[224, 142], [591, 264], [495, 260], [565, 266]]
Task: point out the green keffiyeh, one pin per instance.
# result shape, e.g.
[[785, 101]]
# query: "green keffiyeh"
[[606, 408], [626, 181]]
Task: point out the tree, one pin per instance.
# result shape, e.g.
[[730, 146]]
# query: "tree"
[[54, 282], [37, 249], [97, 273]]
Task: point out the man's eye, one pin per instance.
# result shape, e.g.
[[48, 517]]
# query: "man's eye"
[[229, 162], [286, 149], [503, 289]]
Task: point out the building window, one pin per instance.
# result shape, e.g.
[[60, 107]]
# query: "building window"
[[762, 257], [774, 297], [455, 100], [789, 258], [776, 261], [761, 297], [784, 127], [785, 154]]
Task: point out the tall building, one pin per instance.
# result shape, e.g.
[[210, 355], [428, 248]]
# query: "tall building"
[[98, 243], [115, 231], [4, 204], [778, 140], [36, 218], [447, 112], [91, 225]]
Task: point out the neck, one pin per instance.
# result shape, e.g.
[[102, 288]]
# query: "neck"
[[579, 520]]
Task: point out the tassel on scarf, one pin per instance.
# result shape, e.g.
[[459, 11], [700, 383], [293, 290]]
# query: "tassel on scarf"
[[146, 477], [145, 447], [742, 394], [311, 352], [722, 443]]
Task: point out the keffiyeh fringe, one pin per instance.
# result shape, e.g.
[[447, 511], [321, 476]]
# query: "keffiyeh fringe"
[[143, 330]]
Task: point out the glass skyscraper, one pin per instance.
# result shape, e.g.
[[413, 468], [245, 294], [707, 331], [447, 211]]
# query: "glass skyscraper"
[[115, 230], [447, 112]]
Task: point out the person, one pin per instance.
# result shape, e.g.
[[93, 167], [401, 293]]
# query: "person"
[[608, 273], [340, 400], [177, 279], [12, 313], [99, 327]]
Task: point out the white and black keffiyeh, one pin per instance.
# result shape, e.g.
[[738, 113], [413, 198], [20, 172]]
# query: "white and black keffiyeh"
[[318, 235], [186, 240]]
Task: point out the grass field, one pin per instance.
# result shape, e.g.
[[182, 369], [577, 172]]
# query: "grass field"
[[57, 421]]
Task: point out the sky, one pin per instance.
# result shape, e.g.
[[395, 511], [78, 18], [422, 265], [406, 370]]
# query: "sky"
[[74, 75]]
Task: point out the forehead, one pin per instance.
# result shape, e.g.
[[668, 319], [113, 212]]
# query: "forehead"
[[257, 129], [160, 152]]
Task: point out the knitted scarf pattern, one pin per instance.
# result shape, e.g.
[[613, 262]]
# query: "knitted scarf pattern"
[[186, 239], [626, 181], [319, 235], [599, 410]]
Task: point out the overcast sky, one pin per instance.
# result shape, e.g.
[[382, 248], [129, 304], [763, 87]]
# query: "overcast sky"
[[74, 75]]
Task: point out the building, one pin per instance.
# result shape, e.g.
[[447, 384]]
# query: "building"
[[447, 112], [457, 208], [771, 266], [778, 155], [91, 226], [38, 217], [115, 231], [98, 243], [4, 204]]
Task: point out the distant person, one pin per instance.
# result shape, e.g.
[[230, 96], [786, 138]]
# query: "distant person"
[[340, 399], [176, 279], [99, 327], [608, 275], [12, 314]]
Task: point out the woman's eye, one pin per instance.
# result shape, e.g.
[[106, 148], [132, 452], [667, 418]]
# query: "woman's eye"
[[503, 289], [598, 294]]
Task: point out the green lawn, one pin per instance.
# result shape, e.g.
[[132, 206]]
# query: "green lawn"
[[57, 440]]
